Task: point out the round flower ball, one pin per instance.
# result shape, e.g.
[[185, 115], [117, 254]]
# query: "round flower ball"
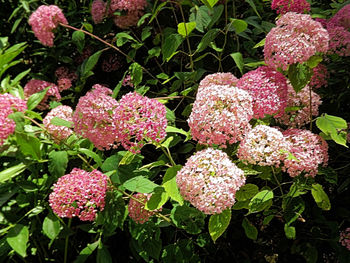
[[342, 17], [344, 238], [59, 133], [220, 115], [218, 79], [264, 146], [98, 11], [339, 40], [310, 150], [268, 89], [209, 181], [79, 194], [94, 117], [284, 6], [295, 39], [137, 211], [44, 20], [139, 120]]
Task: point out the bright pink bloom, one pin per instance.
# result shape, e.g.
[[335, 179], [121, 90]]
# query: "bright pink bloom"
[[220, 115], [209, 181], [59, 132], [310, 150], [296, 38], [319, 77], [344, 238], [268, 89], [218, 79], [8, 105], [128, 20], [137, 211], [134, 11], [98, 11], [93, 117], [44, 20], [80, 194], [128, 5], [284, 6], [342, 17], [139, 120], [36, 85], [300, 115], [263, 145]]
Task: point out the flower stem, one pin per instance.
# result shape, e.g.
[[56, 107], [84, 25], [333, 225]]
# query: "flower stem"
[[66, 242]]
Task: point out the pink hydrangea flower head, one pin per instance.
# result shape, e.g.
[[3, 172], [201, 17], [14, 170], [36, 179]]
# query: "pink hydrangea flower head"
[[139, 120], [344, 238], [220, 115], [310, 150], [301, 100], [127, 5], [36, 85], [127, 81], [319, 77], [342, 17], [268, 89], [98, 11], [59, 133], [284, 6], [9, 104], [65, 78], [44, 20], [209, 181], [80, 194], [264, 146], [218, 79], [93, 117], [339, 40], [128, 20], [296, 38], [137, 211]]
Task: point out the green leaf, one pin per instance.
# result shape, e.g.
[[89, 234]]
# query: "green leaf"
[[333, 126], [51, 226], [86, 252], [136, 73], [295, 207], [29, 145], [218, 224], [177, 130], [246, 192], [170, 115], [207, 38], [260, 201], [188, 218], [103, 255], [320, 197], [261, 43], [124, 37], [12, 172], [78, 38], [93, 155], [252, 4], [170, 46], [140, 184], [170, 186], [209, 3], [58, 163], [314, 61], [185, 29], [289, 231], [90, 63], [238, 25], [17, 238], [36, 98], [238, 58], [249, 229], [88, 27], [299, 76], [61, 122], [158, 199]]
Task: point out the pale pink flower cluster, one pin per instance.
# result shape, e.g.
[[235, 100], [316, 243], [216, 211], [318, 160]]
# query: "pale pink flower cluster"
[[344, 238], [300, 116], [218, 79], [59, 133], [80, 194], [284, 6], [8, 105], [296, 38], [65, 78], [268, 89], [44, 20], [220, 115], [36, 85], [209, 181], [139, 120], [319, 77], [310, 150], [98, 11], [127, 81], [263, 145], [137, 211], [94, 117], [342, 17], [134, 11]]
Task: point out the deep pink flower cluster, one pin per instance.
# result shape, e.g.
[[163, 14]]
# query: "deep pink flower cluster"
[[80, 194], [284, 6], [98, 11], [139, 120], [209, 181], [133, 8], [137, 211], [9, 104], [94, 117], [59, 132], [319, 77], [344, 238], [342, 17], [127, 5], [111, 63], [220, 115], [268, 89], [44, 20], [296, 38], [301, 115], [263, 145], [65, 78], [218, 79], [339, 40], [310, 150], [127, 81], [36, 85]]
